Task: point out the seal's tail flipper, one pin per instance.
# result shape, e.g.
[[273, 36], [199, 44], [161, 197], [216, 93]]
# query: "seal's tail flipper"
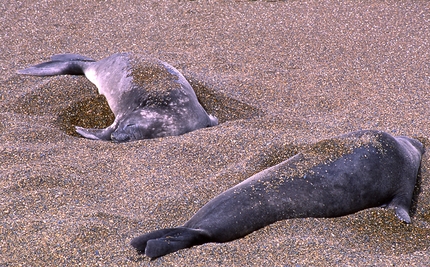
[[165, 241], [95, 134], [60, 64]]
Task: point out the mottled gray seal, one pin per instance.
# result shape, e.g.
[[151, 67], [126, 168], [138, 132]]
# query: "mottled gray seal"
[[148, 97], [331, 178]]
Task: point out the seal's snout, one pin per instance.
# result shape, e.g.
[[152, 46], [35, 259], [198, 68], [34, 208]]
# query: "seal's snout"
[[417, 145], [420, 144], [120, 137]]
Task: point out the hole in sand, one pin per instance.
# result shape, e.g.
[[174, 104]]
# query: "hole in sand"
[[92, 112], [219, 104]]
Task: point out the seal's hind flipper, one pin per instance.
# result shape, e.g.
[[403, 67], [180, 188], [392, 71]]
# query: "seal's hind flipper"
[[73, 64], [52, 68], [95, 134], [139, 243], [165, 241], [71, 57]]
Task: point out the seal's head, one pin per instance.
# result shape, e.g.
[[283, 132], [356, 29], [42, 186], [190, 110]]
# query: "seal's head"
[[146, 124], [132, 127]]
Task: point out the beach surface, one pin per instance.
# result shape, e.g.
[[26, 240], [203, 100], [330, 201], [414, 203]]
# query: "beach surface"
[[277, 74]]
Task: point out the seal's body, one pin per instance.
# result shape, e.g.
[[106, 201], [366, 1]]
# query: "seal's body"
[[332, 178], [148, 97]]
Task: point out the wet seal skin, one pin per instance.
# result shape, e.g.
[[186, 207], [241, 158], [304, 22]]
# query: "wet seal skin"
[[332, 178], [148, 97]]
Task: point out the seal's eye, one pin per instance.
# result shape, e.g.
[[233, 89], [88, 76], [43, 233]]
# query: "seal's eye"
[[129, 125]]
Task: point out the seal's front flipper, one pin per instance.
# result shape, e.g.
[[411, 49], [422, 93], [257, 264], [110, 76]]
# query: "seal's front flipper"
[[60, 64], [165, 241], [213, 120], [403, 214], [401, 205], [95, 134]]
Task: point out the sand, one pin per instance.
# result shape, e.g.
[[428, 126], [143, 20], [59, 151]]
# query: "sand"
[[277, 74]]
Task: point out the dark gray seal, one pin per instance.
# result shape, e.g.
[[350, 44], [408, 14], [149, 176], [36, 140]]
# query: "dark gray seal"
[[148, 97], [331, 178]]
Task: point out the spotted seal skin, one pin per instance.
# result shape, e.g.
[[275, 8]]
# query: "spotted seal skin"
[[334, 177], [148, 97]]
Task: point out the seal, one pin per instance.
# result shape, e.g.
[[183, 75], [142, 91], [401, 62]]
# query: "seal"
[[331, 178], [148, 97]]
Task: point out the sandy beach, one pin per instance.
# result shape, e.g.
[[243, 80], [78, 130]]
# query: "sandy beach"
[[277, 74]]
